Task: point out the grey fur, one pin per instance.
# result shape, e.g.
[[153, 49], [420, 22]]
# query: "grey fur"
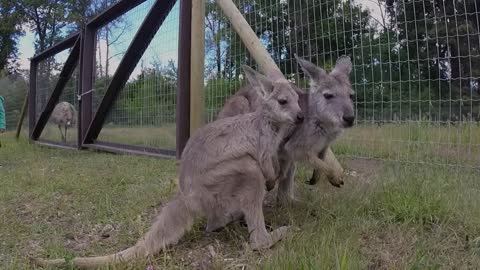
[[63, 116], [325, 121], [223, 172]]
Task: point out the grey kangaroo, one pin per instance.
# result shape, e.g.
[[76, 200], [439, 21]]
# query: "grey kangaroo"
[[223, 171], [328, 108]]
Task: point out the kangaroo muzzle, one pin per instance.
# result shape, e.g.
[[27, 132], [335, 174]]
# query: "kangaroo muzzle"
[[300, 118], [348, 121]]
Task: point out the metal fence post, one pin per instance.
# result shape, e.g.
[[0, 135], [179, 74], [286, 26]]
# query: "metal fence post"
[[87, 77], [184, 76], [32, 94]]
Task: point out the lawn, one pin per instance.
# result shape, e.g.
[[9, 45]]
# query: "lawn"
[[413, 142], [163, 137], [389, 215]]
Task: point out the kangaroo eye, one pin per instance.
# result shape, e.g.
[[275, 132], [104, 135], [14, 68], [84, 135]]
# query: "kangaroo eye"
[[328, 96], [352, 96], [282, 101]]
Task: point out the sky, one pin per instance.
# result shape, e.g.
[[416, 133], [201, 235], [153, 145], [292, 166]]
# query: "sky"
[[26, 49], [163, 47]]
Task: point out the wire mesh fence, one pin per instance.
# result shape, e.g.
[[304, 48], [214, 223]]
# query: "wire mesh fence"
[[13, 89], [416, 69], [144, 112], [60, 128], [416, 72]]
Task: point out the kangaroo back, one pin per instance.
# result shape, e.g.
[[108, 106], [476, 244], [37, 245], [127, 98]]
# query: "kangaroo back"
[[247, 100]]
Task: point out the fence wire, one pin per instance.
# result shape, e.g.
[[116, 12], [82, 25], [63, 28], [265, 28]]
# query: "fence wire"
[[47, 77], [13, 89], [416, 69], [416, 72], [144, 113]]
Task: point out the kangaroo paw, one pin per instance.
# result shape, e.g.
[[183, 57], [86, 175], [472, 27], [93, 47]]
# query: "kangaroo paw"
[[268, 240], [279, 234], [336, 180]]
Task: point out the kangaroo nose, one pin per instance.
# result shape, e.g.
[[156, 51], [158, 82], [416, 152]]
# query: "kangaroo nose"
[[300, 118], [349, 120]]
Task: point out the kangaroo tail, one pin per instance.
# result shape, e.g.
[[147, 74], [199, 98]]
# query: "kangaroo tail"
[[174, 220]]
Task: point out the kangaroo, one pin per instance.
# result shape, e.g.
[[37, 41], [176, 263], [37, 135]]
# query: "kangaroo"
[[222, 176], [328, 108]]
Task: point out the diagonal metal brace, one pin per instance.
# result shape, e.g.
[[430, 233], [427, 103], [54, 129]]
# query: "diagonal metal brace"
[[140, 42], [64, 77]]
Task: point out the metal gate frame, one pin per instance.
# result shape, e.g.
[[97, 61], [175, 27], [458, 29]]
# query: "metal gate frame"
[[83, 51], [37, 126]]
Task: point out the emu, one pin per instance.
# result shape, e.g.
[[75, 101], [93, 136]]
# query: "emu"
[[64, 116]]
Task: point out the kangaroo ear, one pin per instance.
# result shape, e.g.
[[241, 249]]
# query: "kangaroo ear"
[[311, 70], [262, 84], [343, 66]]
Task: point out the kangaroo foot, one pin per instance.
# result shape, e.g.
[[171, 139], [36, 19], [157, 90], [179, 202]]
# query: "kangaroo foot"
[[266, 241]]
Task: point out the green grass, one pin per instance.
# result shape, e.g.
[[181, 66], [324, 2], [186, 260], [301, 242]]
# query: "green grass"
[[163, 137], [61, 204], [417, 142], [457, 145]]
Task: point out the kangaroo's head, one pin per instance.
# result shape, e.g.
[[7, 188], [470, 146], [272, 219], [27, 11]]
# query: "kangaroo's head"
[[279, 100], [330, 95]]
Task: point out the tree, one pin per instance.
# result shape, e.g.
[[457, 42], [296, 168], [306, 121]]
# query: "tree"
[[215, 38], [439, 40], [10, 31], [47, 19], [151, 97], [80, 12], [287, 28], [442, 36]]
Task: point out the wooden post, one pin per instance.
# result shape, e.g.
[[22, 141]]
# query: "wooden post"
[[197, 101], [184, 68], [22, 117], [261, 56], [250, 39]]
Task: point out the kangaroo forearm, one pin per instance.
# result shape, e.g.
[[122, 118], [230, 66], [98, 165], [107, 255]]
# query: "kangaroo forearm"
[[319, 164], [268, 170]]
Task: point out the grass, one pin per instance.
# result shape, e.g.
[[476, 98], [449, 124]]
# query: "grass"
[[163, 137], [417, 142], [389, 215]]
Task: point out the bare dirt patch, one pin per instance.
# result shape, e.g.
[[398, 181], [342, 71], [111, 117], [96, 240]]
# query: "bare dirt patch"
[[363, 169], [388, 249]]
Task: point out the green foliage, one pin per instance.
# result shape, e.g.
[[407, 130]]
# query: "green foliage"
[[10, 31], [13, 89], [416, 61], [50, 20], [148, 100], [46, 18], [216, 92]]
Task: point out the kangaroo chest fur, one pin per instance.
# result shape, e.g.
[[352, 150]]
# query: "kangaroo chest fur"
[[311, 136], [212, 150]]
